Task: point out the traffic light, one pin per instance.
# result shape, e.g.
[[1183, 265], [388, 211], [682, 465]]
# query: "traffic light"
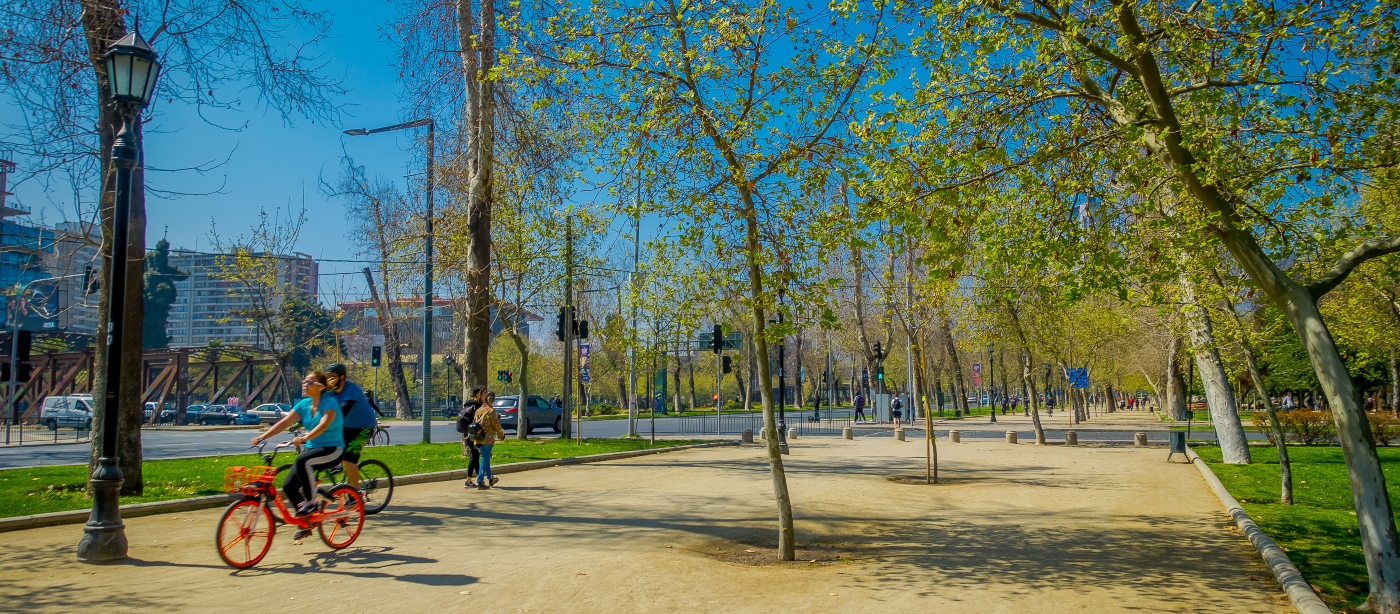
[[89, 280], [508, 376], [581, 329], [724, 365], [717, 341], [374, 355], [880, 373], [26, 343], [500, 375], [559, 325], [26, 371], [879, 354]]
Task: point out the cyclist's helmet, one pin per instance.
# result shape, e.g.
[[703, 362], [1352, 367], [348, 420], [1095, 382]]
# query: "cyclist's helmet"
[[336, 368]]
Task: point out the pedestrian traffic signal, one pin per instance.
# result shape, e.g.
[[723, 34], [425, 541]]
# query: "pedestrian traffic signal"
[[879, 354], [374, 354], [724, 362], [880, 373], [580, 329], [89, 280], [717, 341]]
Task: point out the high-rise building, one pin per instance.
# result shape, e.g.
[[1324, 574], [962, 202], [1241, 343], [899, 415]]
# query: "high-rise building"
[[210, 307], [74, 254]]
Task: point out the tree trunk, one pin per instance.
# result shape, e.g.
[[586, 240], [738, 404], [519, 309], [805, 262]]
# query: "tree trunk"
[[787, 536], [690, 364], [960, 401], [522, 420], [1028, 390], [102, 26], [1284, 466], [1229, 433], [1176, 405], [478, 59], [1394, 382]]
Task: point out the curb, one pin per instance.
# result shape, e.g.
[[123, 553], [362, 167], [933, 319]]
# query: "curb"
[[1298, 590], [134, 510], [195, 428]]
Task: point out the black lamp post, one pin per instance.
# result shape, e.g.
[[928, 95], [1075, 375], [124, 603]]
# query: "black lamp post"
[[132, 70]]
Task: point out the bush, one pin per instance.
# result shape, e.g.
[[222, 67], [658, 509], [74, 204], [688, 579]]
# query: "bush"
[[1385, 427], [733, 405], [1303, 426], [603, 409]]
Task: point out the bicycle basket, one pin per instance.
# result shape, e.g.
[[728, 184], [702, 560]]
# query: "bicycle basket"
[[235, 478]]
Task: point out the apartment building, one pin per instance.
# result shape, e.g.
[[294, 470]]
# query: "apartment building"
[[205, 305]]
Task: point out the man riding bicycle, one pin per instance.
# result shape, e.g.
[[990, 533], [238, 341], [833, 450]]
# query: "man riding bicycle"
[[359, 419]]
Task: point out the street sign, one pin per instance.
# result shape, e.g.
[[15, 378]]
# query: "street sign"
[[734, 341], [1078, 377], [976, 374]]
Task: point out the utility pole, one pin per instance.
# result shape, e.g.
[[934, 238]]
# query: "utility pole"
[[718, 343], [782, 383], [632, 347], [426, 360], [567, 418], [991, 382]]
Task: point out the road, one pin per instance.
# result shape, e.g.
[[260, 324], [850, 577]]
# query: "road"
[[158, 444]]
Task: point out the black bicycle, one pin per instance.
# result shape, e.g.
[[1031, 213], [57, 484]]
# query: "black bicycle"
[[376, 481]]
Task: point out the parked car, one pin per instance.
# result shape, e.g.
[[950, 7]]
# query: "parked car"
[[167, 415], [271, 412], [538, 413], [192, 413], [225, 414], [72, 410]]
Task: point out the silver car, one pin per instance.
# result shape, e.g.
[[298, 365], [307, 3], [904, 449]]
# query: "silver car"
[[270, 413], [539, 414]]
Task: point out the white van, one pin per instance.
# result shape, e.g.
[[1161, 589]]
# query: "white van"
[[73, 410]]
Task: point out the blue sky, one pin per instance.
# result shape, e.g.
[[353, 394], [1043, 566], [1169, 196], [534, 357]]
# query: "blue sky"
[[269, 164]]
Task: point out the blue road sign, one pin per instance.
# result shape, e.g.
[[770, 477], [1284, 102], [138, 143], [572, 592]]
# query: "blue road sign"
[[1078, 377]]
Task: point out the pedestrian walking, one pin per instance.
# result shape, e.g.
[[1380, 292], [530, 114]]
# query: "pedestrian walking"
[[896, 410], [465, 417], [485, 433], [860, 408]]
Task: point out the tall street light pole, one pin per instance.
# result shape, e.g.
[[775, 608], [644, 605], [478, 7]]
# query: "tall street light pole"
[[425, 358], [132, 69]]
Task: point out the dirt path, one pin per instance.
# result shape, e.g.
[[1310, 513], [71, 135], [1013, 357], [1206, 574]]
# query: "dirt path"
[[1014, 529]]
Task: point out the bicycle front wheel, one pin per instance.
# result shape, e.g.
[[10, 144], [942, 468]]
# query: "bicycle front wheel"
[[342, 518], [244, 534], [376, 485], [380, 438]]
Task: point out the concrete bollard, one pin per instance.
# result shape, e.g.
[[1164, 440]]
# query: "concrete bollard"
[[1140, 440], [763, 434], [1071, 438], [792, 434], [746, 436], [899, 434], [954, 436], [1011, 437], [847, 434]]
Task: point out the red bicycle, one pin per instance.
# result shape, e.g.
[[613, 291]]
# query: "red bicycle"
[[245, 530]]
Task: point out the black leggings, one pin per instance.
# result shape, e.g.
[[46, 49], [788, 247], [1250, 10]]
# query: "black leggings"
[[473, 467], [298, 486]]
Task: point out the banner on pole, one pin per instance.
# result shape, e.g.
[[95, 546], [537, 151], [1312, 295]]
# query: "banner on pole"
[[976, 374], [584, 374]]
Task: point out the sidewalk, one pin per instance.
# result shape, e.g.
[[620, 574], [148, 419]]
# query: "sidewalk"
[[1131, 421], [1012, 529]]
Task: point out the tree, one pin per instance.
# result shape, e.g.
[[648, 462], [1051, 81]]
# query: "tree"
[[1261, 141], [307, 328], [159, 295]]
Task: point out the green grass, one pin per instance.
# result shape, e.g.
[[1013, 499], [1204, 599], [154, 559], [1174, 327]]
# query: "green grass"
[[55, 489], [646, 415], [1319, 530]]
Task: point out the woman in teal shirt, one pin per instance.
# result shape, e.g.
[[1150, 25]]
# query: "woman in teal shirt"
[[319, 413]]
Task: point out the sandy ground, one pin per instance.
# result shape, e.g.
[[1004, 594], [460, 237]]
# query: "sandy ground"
[[1012, 529]]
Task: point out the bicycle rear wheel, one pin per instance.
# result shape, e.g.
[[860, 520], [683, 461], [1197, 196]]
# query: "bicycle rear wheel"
[[380, 438], [376, 485], [244, 534], [342, 518]]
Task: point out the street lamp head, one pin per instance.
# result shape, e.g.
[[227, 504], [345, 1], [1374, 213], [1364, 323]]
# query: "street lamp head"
[[357, 132], [132, 70]]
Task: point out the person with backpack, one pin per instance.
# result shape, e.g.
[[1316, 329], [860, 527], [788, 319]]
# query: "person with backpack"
[[484, 430], [465, 417], [860, 407], [896, 410]]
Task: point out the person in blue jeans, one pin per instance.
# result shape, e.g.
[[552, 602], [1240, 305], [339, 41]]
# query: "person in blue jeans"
[[486, 438]]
